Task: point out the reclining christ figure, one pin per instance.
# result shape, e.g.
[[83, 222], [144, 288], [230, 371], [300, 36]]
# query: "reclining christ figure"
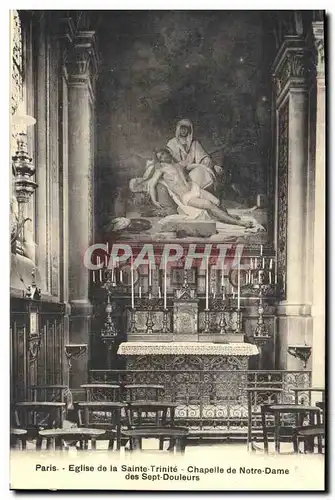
[[190, 198]]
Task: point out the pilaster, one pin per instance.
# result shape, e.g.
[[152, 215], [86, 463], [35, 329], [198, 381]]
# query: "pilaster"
[[291, 76], [81, 67], [318, 308]]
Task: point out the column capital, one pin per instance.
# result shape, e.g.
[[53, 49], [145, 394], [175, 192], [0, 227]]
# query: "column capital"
[[318, 38], [82, 59], [291, 66]]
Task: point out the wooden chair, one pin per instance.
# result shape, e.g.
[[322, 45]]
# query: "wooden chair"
[[300, 412], [308, 434], [18, 438], [151, 414], [258, 397], [89, 413], [49, 392], [142, 392], [59, 438], [176, 435], [102, 392], [38, 415]]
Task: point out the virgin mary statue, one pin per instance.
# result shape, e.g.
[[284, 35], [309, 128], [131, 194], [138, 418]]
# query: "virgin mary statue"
[[188, 151]]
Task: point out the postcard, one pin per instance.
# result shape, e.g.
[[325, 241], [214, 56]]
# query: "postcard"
[[167, 282]]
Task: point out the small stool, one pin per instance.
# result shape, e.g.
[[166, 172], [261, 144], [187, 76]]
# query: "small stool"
[[308, 434], [176, 435], [81, 434], [18, 436]]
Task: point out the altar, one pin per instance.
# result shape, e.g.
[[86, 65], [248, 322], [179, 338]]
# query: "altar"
[[187, 355]]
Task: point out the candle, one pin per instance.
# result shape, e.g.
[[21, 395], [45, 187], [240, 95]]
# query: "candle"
[[256, 263], [261, 250], [149, 273], [132, 286], [233, 294], [159, 292], [270, 266], [112, 270], [93, 276], [140, 291], [121, 275], [223, 293], [207, 284], [270, 278], [263, 263], [259, 277], [100, 270], [238, 286], [165, 297], [107, 255], [222, 275]]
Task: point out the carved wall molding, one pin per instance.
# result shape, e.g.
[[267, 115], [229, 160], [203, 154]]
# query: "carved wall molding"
[[318, 34], [34, 344], [283, 124]]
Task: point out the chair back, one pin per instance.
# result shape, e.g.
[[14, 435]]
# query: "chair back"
[[98, 413], [102, 392], [143, 392], [45, 415]]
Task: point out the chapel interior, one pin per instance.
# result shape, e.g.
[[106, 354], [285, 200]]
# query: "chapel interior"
[[94, 94]]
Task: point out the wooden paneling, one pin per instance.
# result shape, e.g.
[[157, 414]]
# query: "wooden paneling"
[[36, 357]]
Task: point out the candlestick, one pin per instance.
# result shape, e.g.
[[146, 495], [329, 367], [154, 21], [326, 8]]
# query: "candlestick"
[[270, 266], [165, 289], [261, 250], [263, 263], [223, 293], [121, 275], [132, 286], [238, 286], [222, 275], [270, 277], [159, 292], [207, 284], [93, 277], [140, 291]]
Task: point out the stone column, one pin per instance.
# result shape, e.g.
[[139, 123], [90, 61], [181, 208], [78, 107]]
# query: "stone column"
[[81, 67], [318, 308], [290, 72]]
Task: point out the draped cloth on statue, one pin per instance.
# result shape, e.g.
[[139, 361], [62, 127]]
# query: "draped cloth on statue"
[[191, 152]]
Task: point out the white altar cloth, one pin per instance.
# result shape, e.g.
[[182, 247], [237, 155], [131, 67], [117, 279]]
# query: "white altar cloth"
[[192, 348]]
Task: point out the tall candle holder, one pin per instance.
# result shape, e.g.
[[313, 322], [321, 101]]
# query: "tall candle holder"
[[109, 331], [133, 328], [166, 328], [206, 329], [261, 335]]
